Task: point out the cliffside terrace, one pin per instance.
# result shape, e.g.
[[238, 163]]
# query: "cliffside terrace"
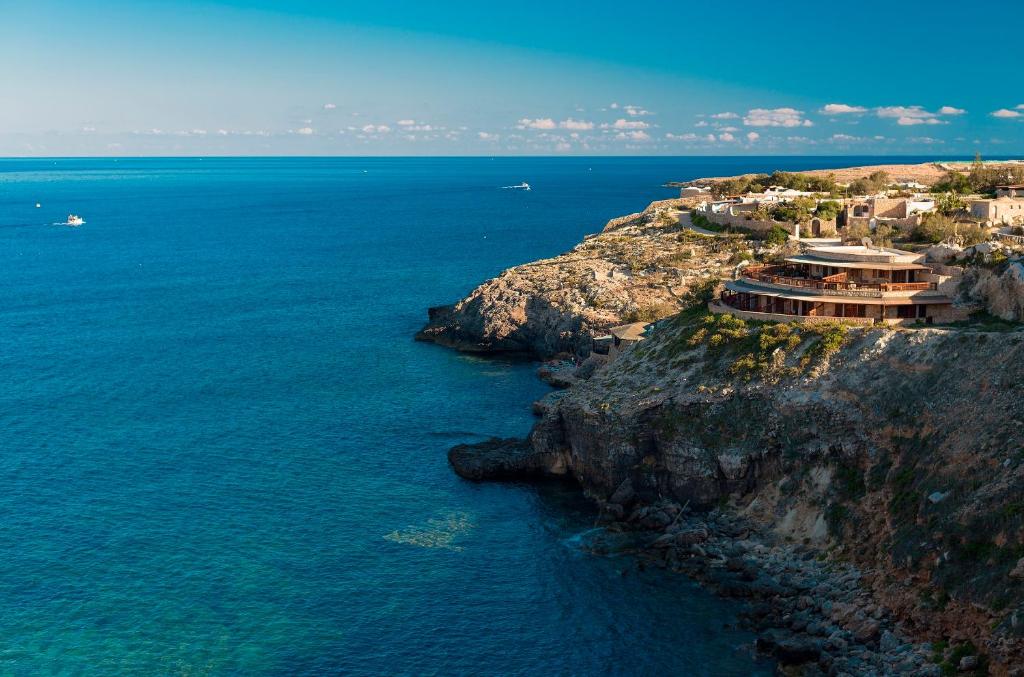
[[847, 280]]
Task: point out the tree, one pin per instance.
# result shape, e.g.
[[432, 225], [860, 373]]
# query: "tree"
[[828, 210], [953, 182], [872, 183], [949, 204]]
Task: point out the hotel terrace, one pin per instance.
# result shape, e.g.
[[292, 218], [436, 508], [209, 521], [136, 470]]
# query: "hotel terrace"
[[859, 284]]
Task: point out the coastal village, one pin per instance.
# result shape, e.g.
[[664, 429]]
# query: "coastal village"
[[801, 389], [837, 261]]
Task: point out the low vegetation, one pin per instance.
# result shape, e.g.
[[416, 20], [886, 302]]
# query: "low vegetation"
[[935, 228], [749, 350]]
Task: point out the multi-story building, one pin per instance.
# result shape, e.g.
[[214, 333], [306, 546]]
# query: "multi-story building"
[[861, 284]]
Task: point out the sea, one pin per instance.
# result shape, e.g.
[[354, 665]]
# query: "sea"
[[222, 453]]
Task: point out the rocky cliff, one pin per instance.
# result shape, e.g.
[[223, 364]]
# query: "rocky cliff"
[[892, 456], [899, 450], [640, 267]]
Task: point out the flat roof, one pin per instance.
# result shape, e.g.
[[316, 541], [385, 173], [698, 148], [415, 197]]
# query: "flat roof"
[[859, 252], [869, 265], [748, 288], [629, 332]]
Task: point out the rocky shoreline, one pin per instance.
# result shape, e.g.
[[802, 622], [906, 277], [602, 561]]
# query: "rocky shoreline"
[[850, 485], [807, 612]]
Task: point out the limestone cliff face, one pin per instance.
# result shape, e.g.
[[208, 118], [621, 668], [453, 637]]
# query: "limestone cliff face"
[[638, 268], [900, 450]]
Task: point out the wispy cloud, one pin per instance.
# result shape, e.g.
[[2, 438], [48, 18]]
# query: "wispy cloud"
[[636, 111], [842, 109], [578, 125], [638, 135], [538, 123], [329, 106], [950, 110], [776, 117], [727, 115], [907, 116], [622, 123], [487, 136]]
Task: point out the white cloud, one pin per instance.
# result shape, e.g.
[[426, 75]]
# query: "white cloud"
[[581, 125], [727, 115], [88, 129], [776, 117], [539, 123], [562, 146], [406, 123], [710, 137], [909, 115], [729, 129], [702, 123], [376, 129], [633, 136], [1006, 113], [636, 111], [844, 138], [726, 137], [613, 106], [950, 110], [626, 124], [681, 137], [329, 106], [487, 136], [753, 136], [927, 140], [304, 131], [842, 109]]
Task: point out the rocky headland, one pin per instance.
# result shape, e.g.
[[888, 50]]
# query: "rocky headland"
[[862, 488]]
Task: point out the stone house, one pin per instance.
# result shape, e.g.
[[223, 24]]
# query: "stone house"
[[1006, 210]]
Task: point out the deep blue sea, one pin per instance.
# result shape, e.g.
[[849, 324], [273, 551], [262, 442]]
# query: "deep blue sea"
[[221, 452]]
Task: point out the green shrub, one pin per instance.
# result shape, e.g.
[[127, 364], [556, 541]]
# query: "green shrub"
[[777, 236]]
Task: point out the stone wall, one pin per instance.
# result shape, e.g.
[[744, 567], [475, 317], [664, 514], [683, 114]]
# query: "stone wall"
[[741, 221]]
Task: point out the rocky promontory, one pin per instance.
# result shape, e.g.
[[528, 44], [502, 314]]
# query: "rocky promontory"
[[640, 267], [862, 488]]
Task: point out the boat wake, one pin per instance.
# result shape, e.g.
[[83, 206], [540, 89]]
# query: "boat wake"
[[522, 186]]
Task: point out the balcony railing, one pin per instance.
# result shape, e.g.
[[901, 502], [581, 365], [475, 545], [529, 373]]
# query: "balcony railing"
[[786, 276]]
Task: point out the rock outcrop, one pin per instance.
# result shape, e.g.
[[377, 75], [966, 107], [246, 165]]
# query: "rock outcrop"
[[640, 267], [503, 459]]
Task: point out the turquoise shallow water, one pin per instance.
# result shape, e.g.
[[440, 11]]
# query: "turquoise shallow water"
[[222, 453]]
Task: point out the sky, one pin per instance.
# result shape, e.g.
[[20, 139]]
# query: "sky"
[[396, 77]]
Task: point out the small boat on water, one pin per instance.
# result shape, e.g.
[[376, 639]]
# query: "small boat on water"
[[522, 186], [74, 220]]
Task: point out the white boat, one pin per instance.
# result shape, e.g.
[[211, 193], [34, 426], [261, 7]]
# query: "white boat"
[[74, 220], [522, 186]]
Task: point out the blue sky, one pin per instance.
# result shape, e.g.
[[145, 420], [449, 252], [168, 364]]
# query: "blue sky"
[[393, 77]]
